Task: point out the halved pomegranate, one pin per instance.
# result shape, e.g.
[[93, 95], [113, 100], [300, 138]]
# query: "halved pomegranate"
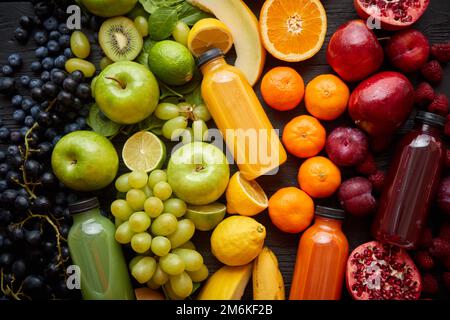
[[393, 14], [377, 271]]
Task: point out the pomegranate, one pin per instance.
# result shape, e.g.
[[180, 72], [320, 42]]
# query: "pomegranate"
[[392, 14], [377, 271], [354, 51], [408, 50], [380, 104]]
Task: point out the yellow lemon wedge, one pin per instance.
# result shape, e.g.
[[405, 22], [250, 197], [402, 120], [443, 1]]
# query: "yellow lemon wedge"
[[245, 197], [207, 34]]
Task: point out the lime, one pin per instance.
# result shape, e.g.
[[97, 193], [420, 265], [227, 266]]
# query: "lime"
[[206, 217], [143, 151], [171, 62]]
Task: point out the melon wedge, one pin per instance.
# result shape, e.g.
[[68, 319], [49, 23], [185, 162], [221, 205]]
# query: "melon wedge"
[[244, 27]]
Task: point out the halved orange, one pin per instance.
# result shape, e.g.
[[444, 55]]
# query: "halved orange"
[[293, 30]]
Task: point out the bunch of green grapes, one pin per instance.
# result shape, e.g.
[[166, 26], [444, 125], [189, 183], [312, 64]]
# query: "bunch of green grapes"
[[150, 219], [178, 116]]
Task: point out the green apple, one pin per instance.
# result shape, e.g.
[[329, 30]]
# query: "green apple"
[[85, 161], [109, 8], [198, 173], [126, 92]]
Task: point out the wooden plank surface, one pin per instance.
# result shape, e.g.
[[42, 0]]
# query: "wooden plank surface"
[[434, 24]]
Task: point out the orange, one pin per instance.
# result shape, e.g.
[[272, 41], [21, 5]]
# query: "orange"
[[282, 88], [304, 136], [291, 210], [326, 97], [319, 177], [293, 30]]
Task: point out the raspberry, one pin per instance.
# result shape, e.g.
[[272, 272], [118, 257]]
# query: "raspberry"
[[439, 105], [429, 284], [426, 238], [377, 180], [446, 280], [424, 260], [444, 231], [447, 127], [432, 71], [447, 132], [441, 51], [446, 263], [368, 166], [440, 248], [423, 94]]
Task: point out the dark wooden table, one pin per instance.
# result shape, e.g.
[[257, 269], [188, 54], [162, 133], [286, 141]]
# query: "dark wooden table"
[[434, 24]]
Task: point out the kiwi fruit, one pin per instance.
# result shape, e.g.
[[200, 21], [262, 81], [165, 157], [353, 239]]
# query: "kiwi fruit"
[[120, 39]]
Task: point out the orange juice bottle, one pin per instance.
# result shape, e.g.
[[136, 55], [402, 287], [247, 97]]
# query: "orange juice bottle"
[[321, 258], [240, 117]]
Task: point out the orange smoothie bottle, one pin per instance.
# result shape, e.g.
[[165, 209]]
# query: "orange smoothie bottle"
[[321, 258], [240, 117]]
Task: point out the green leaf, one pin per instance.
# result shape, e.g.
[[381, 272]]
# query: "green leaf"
[[151, 123], [152, 5], [100, 123], [195, 97], [161, 23], [190, 14], [137, 11], [148, 44], [191, 85], [143, 59], [167, 91]]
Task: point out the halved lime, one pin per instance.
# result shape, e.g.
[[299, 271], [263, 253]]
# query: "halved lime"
[[144, 151], [206, 217]]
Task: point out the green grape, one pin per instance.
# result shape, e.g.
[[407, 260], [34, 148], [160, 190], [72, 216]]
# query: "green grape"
[[188, 245], [187, 136], [201, 112], [141, 242], [156, 176], [192, 259], [137, 179], [185, 231], [124, 233], [121, 195], [170, 293], [118, 222], [167, 111], [200, 130], [84, 66], [181, 284], [160, 246], [181, 33], [175, 206], [141, 25], [160, 277], [122, 183], [79, 44], [148, 191], [134, 261], [136, 199], [199, 275], [104, 62], [185, 109], [139, 221], [174, 127], [152, 285], [144, 269], [171, 264], [162, 190], [121, 209], [164, 225], [153, 206]]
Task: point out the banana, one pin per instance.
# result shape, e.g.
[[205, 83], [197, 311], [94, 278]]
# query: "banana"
[[227, 283], [267, 279]]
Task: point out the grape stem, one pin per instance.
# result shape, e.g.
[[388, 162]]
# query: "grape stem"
[[7, 290]]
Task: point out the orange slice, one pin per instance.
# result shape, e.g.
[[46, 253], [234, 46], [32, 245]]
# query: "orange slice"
[[293, 30]]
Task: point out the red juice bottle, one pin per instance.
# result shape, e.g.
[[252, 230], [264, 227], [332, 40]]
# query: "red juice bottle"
[[411, 183]]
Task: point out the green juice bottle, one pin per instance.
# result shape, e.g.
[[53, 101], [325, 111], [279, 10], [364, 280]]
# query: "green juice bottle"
[[93, 248]]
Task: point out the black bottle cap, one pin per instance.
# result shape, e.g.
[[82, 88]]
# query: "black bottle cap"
[[209, 55], [84, 205], [332, 213], [430, 118]]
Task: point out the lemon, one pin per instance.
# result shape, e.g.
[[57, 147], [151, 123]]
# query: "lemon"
[[207, 34], [237, 240], [206, 217], [143, 151], [245, 197]]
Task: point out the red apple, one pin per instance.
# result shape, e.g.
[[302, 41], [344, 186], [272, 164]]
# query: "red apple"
[[354, 51], [408, 50], [380, 104]]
